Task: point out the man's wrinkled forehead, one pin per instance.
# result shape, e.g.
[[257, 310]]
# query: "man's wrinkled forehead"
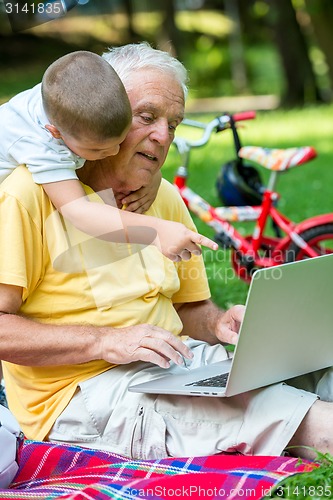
[[175, 111]]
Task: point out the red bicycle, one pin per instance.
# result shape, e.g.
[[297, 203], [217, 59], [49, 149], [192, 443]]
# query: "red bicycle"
[[240, 183]]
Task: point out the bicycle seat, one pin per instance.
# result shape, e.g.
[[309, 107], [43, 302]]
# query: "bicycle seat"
[[278, 159]]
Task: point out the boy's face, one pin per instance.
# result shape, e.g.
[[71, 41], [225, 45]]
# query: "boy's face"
[[93, 149]]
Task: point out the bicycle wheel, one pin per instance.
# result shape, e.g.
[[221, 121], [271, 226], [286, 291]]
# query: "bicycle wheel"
[[320, 239]]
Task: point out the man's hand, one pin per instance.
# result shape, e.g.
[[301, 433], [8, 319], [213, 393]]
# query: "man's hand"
[[142, 343], [228, 324]]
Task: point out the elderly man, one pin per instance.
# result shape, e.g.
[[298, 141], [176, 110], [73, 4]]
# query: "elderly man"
[[82, 318]]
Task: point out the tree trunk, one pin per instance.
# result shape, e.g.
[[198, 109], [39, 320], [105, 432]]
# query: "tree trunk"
[[301, 86], [169, 36], [321, 14], [238, 68], [132, 34]]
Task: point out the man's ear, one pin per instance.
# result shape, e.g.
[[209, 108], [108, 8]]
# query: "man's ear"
[[54, 131]]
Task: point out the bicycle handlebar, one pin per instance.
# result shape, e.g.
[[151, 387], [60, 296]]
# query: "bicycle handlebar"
[[245, 115], [220, 123]]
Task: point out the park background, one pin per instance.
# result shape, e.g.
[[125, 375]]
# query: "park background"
[[273, 56]]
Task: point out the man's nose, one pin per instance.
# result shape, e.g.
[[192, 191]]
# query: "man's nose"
[[161, 133]]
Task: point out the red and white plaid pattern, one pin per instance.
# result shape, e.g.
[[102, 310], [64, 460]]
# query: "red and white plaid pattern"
[[49, 471]]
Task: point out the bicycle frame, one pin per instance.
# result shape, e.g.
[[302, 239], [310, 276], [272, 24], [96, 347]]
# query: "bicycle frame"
[[256, 250]]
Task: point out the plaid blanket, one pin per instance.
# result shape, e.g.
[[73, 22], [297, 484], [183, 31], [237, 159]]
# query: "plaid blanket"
[[49, 471]]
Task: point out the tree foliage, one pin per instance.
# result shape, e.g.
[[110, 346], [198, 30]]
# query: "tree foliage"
[[231, 47]]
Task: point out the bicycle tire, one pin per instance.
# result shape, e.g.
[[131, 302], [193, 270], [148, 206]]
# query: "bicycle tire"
[[313, 237]]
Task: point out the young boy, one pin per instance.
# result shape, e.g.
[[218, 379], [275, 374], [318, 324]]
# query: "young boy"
[[81, 112]]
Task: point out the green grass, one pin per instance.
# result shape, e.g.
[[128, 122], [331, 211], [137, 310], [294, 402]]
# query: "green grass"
[[305, 191], [312, 485]]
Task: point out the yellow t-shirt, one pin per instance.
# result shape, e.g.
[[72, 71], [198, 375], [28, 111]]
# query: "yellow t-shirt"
[[71, 278]]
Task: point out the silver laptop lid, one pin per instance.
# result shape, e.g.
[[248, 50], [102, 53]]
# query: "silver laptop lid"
[[288, 324]]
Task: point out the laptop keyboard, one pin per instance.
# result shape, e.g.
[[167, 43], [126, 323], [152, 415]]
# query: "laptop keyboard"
[[217, 381]]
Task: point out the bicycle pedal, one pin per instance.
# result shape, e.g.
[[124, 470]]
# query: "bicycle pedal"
[[223, 240]]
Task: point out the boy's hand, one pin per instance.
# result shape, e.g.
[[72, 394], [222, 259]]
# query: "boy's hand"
[[141, 200], [177, 242]]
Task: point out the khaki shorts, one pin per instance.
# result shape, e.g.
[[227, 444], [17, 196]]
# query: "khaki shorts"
[[104, 415]]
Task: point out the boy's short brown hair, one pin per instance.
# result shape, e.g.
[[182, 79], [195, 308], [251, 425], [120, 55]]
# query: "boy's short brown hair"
[[83, 96]]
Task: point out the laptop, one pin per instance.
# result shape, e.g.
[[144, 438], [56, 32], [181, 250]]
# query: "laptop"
[[287, 331]]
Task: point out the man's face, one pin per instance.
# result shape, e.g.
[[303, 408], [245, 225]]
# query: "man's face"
[[157, 102]]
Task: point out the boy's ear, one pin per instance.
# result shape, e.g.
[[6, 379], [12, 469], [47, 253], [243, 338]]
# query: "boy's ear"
[[54, 131]]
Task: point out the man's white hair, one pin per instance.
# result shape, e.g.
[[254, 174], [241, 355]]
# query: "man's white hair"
[[137, 56]]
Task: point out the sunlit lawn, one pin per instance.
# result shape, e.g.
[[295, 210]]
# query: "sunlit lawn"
[[305, 191]]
